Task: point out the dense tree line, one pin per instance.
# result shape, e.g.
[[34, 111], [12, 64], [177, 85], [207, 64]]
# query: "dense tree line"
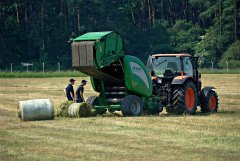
[[38, 31]]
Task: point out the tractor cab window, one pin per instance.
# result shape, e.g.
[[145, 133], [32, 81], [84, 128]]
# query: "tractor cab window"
[[161, 65], [187, 65]]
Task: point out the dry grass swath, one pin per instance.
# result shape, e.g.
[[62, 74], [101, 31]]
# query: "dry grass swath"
[[62, 110]]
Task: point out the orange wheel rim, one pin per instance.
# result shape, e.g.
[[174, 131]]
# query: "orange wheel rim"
[[189, 98], [212, 103]]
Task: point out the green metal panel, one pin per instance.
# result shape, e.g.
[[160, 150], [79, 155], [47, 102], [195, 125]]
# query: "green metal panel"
[[137, 79], [91, 36], [109, 49], [112, 107], [150, 102]]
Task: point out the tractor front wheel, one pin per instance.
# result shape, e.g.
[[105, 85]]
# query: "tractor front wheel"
[[185, 99], [209, 102], [132, 106]]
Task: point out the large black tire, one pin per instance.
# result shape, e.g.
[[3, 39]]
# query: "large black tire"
[[132, 106], [185, 98], [93, 100], [209, 102]]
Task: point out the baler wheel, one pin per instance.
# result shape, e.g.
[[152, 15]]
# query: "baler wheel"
[[132, 106], [185, 99], [209, 102], [93, 100]]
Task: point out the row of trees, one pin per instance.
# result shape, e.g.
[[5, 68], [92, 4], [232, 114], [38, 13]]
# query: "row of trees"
[[38, 31]]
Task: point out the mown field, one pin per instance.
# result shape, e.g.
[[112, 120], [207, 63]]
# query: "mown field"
[[113, 137]]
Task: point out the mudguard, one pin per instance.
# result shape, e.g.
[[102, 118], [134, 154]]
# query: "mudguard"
[[180, 79], [205, 90]]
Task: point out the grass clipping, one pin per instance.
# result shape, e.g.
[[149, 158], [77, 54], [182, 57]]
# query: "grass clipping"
[[71, 109], [62, 110]]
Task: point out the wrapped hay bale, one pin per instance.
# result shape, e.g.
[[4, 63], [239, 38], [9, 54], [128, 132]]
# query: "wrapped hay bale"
[[36, 109], [62, 110], [79, 110]]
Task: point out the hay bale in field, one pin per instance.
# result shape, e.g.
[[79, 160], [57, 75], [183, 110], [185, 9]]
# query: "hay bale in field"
[[62, 110], [36, 109], [80, 110]]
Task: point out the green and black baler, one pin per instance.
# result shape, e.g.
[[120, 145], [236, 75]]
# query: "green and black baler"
[[122, 81]]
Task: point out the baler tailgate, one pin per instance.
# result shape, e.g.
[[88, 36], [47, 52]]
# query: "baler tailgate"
[[83, 60], [82, 53]]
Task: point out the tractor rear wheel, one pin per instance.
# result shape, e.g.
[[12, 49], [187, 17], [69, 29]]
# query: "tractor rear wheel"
[[209, 102], [185, 99], [93, 100], [132, 106]]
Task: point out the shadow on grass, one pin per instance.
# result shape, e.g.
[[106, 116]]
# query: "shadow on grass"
[[199, 114], [229, 113], [220, 112], [185, 115], [119, 114], [112, 114]]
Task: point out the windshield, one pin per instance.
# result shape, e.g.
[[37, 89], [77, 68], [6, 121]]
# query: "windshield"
[[187, 65], [161, 64]]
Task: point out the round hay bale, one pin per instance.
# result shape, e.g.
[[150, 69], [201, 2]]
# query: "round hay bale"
[[79, 110], [62, 110], [36, 109]]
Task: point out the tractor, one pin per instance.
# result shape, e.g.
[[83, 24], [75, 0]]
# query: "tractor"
[[126, 84], [176, 78]]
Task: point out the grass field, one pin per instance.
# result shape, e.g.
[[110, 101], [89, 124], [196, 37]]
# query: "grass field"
[[51, 74], [41, 74], [113, 137]]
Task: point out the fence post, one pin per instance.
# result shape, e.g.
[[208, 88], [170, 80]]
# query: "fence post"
[[227, 65], [58, 67], [11, 67], [212, 65], [43, 67]]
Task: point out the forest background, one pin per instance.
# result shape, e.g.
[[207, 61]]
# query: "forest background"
[[38, 31]]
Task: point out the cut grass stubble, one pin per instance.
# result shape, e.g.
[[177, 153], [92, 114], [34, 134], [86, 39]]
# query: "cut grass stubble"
[[164, 137]]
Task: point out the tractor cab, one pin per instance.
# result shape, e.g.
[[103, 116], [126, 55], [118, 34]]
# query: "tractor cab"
[[172, 68], [170, 65]]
